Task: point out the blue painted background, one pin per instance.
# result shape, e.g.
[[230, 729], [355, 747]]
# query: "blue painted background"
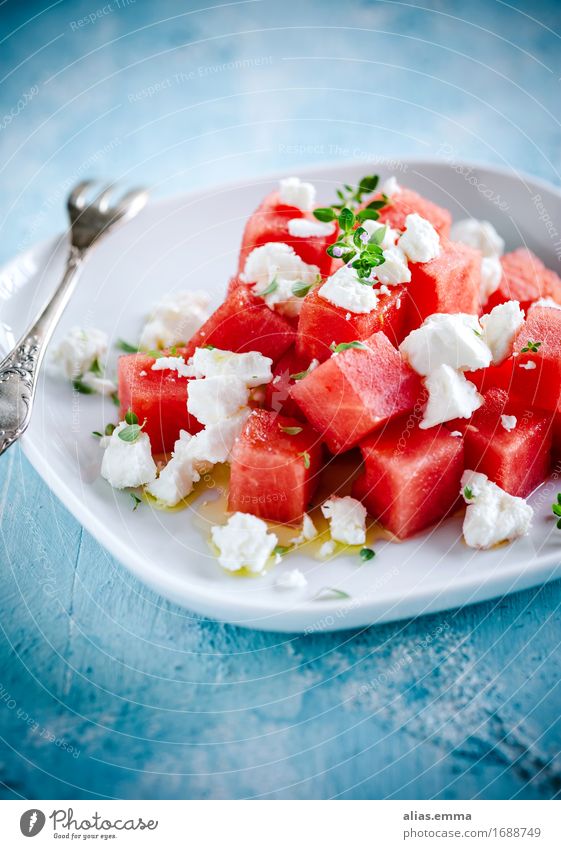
[[105, 689]]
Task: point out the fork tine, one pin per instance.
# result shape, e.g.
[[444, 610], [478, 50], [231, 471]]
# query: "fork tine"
[[132, 202], [101, 200], [77, 197]]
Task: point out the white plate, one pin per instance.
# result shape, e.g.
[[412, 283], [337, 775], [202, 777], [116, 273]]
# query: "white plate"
[[192, 241]]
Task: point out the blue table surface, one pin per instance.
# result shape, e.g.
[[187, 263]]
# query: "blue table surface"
[[106, 690]]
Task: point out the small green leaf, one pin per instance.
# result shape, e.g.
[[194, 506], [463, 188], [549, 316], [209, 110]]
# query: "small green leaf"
[[531, 346], [329, 593], [368, 214], [306, 458], [124, 346], [95, 368], [130, 433], [281, 549], [291, 431], [367, 554], [468, 493], [115, 399], [299, 375], [378, 236], [301, 289], [378, 204], [109, 428], [81, 387], [368, 184], [208, 347], [346, 219], [131, 418], [136, 500], [344, 346], [360, 237], [97, 433], [272, 287], [477, 333], [325, 213]]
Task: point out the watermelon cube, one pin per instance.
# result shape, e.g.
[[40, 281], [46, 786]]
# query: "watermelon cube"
[[269, 223], [160, 397], [525, 279], [356, 391], [275, 468], [537, 373], [411, 478], [278, 398], [448, 284], [322, 323], [245, 323], [513, 454], [405, 202]]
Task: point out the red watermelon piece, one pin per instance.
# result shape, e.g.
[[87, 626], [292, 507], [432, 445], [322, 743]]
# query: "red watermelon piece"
[[525, 279], [269, 223], [160, 397], [517, 460], [412, 477], [356, 391], [539, 386], [274, 474], [448, 284], [278, 398], [245, 323], [322, 323], [405, 202]]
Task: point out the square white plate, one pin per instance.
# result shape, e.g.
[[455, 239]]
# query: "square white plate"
[[192, 241]]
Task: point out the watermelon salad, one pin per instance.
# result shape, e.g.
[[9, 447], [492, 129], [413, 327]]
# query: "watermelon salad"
[[374, 335]]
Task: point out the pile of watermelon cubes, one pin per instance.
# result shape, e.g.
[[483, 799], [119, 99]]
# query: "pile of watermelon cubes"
[[340, 382]]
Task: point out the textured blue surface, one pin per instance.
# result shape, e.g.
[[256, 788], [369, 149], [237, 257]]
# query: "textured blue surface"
[[105, 689]]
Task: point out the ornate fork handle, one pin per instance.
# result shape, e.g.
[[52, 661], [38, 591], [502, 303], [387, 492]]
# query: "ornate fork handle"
[[20, 368]]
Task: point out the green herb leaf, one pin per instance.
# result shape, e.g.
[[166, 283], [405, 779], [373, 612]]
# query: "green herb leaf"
[[378, 236], [301, 289], [291, 431], [130, 433], [367, 554], [344, 346], [468, 493], [477, 333], [346, 219], [368, 184], [136, 500], [131, 418], [281, 549], [115, 399], [378, 204], [299, 375], [80, 386], [272, 287], [360, 237], [97, 433], [531, 346], [208, 347], [124, 346], [109, 428], [368, 214], [329, 593], [325, 213], [306, 457], [95, 368]]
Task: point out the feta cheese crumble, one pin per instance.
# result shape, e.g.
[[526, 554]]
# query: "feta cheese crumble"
[[177, 364], [343, 289], [451, 340], [294, 192], [529, 366], [390, 236], [390, 187], [420, 242], [492, 515], [216, 398], [292, 580], [491, 276], [480, 235], [306, 228], [347, 519], [127, 463], [500, 326], [175, 319], [509, 422], [394, 270], [253, 367], [327, 548], [547, 302], [78, 351], [243, 542], [451, 396], [273, 269], [309, 531]]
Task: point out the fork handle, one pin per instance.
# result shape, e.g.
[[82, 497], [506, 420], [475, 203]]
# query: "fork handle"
[[20, 368]]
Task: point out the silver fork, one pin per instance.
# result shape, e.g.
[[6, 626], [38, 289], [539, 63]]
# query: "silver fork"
[[20, 368]]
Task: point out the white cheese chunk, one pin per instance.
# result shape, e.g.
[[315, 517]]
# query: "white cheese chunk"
[[294, 192], [177, 478], [394, 270], [343, 289], [175, 319], [273, 269], [547, 302], [306, 228], [529, 366], [450, 340], [77, 352], [309, 531], [491, 276], [390, 187], [243, 542], [509, 422], [492, 515], [327, 548], [216, 398], [420, 242], [500, 326], [253, 368], [347, 519], [451, 396], [177, 364], [480, 235], [390, 236], [291, 580], [127, 463], [214, 444]]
